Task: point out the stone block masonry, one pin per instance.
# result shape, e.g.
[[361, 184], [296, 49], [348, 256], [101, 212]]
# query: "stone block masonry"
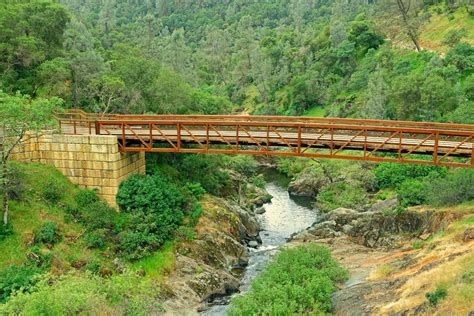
[[91, 161]]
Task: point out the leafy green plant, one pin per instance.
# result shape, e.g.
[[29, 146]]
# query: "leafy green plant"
[[196, 189], [412, 192], [298, 281], [5, 231], [186, 233], [391, 175], [16, 185], [86, 197], [96, 238], [341, 195], [48, 233], [85, 293], [436, 296], [15, 278], [456, 187], [53, 191]]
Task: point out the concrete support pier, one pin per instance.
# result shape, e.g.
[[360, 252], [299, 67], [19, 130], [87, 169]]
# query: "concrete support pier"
[[91, 161]]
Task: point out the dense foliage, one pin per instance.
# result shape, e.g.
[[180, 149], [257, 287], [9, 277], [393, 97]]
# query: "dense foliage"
[[298, 281], [16, 278], [282, 56], [154, 207], [85, 294]]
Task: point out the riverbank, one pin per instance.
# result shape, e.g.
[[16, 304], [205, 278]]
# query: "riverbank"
[[429, 269]]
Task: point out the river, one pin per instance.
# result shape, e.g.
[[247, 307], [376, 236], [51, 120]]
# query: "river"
[[284, 216]]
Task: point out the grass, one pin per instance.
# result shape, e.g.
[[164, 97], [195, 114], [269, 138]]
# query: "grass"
[[453, 271], [27, 215], [317, 111], [434, 32], [159, 264], [382, 271]]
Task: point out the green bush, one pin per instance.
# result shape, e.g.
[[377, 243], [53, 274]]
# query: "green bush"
[[299, 281], [436, 296], [15, 278], [85, 294], [391, 175], [5, 230], [96, 238], [455, 188], [412, 192], [86, 197], [48, 233], [16, 185], [53, 191], [341, 195], [195, 189], [208, 170], [154, 192], [153, 206]]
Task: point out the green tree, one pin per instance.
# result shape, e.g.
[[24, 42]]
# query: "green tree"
[[376, 105], [20, 115], [31, 32]]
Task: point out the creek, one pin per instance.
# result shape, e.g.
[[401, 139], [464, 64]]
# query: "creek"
[[284, 216]]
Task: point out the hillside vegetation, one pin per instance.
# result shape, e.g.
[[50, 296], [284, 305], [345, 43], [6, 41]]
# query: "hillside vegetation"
[[65, 251]]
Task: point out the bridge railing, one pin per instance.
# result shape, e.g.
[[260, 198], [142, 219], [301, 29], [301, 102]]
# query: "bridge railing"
[[307, 139], [80, 114]]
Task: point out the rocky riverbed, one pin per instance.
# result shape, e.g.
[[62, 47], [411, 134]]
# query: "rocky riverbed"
[[394, 260]]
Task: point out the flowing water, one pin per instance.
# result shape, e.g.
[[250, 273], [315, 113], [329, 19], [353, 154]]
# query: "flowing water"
[[284, 216]]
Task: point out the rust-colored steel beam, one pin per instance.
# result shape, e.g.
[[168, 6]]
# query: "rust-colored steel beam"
[[370, 140]]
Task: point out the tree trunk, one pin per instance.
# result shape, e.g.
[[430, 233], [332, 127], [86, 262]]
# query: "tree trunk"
[[411, 33], [5, 192]]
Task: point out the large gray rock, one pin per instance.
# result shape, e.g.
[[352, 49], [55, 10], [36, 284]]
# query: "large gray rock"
[[384, 205], [307, 184], [371, 229]]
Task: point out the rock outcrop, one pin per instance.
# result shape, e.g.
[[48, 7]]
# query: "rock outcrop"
[[371, 229], [307, 184], [208, 268]]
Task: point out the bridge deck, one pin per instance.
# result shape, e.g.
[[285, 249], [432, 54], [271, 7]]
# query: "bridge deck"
[[372, 140]]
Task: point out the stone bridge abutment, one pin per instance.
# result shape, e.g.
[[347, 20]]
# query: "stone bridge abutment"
[[90, 161]]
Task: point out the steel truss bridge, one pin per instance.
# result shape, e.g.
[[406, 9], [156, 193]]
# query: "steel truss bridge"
[[370, 140]]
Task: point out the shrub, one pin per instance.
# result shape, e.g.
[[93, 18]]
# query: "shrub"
[[155, 193], [391, 175], [85, 294], [15, 278], [258, 181], [48, 233], [86, 197], [195, 189], [154, 207], [147, 230], [436, 296], [341, 195], [194, 215], [16, 185], [53, 191], [185, 233], [5, 230], [457, 187], [298, 281], [96, 238], [412, 192]]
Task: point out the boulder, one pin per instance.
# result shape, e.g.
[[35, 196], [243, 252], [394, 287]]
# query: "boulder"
[[260, 210], [253, 244], [306, 184], [384, 205], [468, 235]]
